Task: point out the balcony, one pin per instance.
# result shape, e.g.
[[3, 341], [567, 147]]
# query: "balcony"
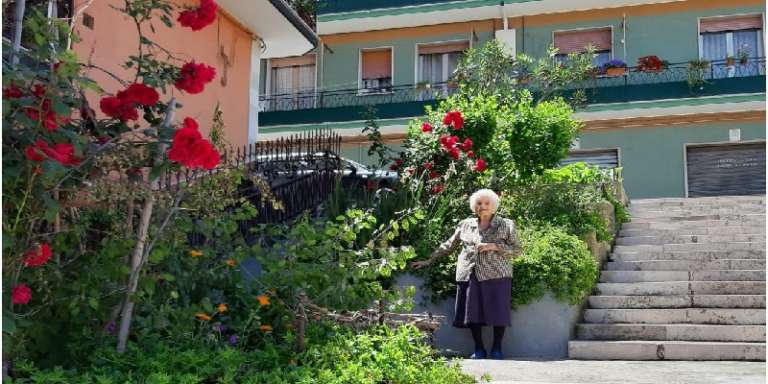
[[403, 101], [338, 6]]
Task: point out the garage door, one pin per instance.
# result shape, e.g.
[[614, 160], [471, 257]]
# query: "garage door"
[[604, 158], [733, 169]]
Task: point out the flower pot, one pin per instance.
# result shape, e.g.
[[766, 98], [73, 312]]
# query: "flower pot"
[[730, 62], [613, 72], [744, 61]]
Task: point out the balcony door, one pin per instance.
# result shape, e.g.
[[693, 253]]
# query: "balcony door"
[[292, 84], [737, 37]]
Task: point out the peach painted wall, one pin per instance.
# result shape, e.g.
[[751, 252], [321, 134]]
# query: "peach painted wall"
[[114, 38]]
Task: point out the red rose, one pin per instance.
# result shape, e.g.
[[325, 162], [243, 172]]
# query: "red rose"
[[454, 119], [63, 153], [43, 112], [140, 94], [467, 144], [428, 165], [191, 150], [433, 175], [480, 165], [38, 90], [438, 188], [12, 92], [37, 255], [193, 77], [449, 142], [21, 294], [470, 154], [201, 17], [454, 153], [118, 108], [426, 128], [33, 154]]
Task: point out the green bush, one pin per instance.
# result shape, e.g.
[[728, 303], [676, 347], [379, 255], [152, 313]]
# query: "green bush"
[[553, 261], [334, 355]]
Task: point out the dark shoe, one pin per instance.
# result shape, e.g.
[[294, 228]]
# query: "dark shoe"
[[479, 354], [497, 355]]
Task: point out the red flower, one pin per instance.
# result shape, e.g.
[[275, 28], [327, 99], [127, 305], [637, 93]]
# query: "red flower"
[[63, 153], [454, 153], [426, 128], [12, 92], [467, 144], [438, 188], [480, 165], [139, 94], [433, 175], [43, 112], [21, 294], [191, 150], [449, 142], [37, 255], [199, 18], [454, 119], [470, 154], [428, 165], [38, 90], [396, 165], [119, 108], [193, 77]]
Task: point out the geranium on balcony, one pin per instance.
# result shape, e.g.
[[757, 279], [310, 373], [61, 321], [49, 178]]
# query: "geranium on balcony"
[[650, 64]]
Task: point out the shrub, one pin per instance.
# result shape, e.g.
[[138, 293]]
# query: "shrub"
[[553, 261]]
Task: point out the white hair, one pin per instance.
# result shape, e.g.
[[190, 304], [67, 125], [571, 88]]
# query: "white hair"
[[491, 195]]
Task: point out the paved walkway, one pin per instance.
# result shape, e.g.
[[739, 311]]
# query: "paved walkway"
[[617, 372]]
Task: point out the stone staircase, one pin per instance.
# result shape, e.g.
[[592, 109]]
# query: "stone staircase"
[[685, 281]]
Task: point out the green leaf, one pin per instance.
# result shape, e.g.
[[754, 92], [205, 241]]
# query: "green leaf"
[[9, 324], [93, 303]]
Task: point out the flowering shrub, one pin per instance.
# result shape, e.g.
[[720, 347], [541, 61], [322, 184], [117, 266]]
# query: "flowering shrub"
[[650, 63]]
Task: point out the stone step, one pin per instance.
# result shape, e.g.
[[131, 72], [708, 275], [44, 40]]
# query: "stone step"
[[665, 350], [681, 332], [681, 288], [690, 239], [695, 214], [716, 201], [685, 265], [701, 256], [739, 217], [731, 246], [662, 276], [700, 231], [742, 316], [756, 222], [678, 301]]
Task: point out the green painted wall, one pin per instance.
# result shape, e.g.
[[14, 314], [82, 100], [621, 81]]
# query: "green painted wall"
[[359, 153], [652, 158], [670, 36]]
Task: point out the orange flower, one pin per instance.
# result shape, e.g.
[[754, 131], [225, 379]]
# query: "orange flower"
[[195, 253], [266, 328], [202, 316], [263, 299], [231, 262], [222, 308]]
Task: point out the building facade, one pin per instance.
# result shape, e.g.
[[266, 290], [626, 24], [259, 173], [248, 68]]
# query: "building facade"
[[684, 129]]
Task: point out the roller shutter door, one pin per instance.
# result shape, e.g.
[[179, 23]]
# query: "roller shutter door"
[[721, 170], [607, 159]]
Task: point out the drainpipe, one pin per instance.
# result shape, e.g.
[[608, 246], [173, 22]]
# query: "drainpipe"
[[624, 34], [504, 16], [18, 19]]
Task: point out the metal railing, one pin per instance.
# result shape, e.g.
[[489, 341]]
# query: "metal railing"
[[673, 73]]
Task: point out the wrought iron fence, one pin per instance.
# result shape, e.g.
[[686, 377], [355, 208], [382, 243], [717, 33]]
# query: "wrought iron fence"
[[672, 73], [300, 171]]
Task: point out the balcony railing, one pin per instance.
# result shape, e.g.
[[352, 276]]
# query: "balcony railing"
[[337, 6], [674, 81]]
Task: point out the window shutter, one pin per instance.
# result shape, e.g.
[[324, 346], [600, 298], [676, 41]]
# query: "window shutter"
[[377, 64], [576, 41], [443, 48], [721, 24]]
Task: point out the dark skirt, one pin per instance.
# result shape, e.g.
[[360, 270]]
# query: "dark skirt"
[[483, 302]]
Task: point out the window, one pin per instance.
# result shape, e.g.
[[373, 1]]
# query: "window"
[[376, 70], [736, 37], [436, 62], [292, 83], [576, 41]]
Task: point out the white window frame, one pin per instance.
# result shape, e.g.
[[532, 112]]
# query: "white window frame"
[[360, 90], [445, 62]]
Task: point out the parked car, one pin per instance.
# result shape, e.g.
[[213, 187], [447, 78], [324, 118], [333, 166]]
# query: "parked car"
[[367, 177]]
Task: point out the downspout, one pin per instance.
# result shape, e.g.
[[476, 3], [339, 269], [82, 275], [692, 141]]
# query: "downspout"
[[624, 34], [504, 16]]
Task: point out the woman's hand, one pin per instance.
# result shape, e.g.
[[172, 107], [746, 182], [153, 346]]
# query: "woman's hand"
[[488, 247], [420, 264]]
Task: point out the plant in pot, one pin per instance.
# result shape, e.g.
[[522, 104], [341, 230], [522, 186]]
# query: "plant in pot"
[[696, 71], [650, 64], [615, 67], [743, 54], [730, 61]]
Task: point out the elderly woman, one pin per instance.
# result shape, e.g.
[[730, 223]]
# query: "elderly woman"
[[483, 271]]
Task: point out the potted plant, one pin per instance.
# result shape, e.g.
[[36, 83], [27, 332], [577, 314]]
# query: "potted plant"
[[615, 67], [730, 61], [743, 54], [650, 64], [696, 70]]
